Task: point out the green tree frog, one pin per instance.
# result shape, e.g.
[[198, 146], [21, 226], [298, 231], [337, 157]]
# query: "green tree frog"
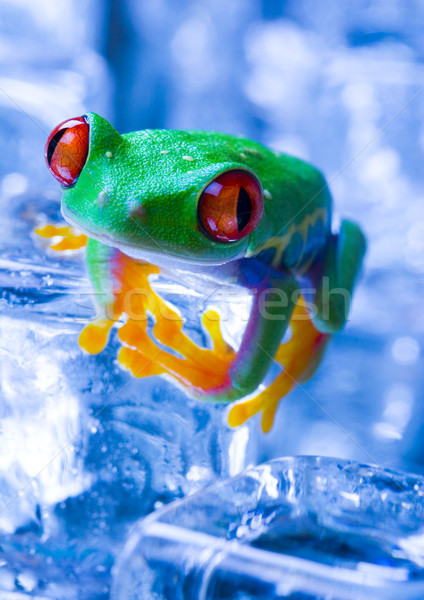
[[214, 206]]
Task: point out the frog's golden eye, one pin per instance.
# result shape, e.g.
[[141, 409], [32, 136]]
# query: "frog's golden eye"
[[66, 150], [231, 206]]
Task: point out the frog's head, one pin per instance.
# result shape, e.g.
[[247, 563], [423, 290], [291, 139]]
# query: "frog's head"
[[157, 195]]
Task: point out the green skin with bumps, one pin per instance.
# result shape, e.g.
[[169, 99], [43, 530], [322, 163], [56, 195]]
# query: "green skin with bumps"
[[139, 193]]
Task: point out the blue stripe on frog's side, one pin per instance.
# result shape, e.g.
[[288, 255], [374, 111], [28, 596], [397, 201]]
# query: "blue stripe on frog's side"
[[299, 246]]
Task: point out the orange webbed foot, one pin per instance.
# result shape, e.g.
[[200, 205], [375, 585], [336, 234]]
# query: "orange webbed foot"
[[93, 338], [198, 369], [64, 237]]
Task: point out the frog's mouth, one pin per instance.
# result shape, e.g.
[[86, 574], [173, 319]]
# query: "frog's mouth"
[[161, 258]]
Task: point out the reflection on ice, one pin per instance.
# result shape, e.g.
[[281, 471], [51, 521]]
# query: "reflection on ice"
[[295, 527], [398, 411], [40, 419]]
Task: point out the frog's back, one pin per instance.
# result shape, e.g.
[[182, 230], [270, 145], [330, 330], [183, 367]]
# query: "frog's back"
[[297, 204]]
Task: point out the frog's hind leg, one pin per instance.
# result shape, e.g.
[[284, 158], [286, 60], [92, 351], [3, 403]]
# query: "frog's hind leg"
[[300, 357], [338, 272]]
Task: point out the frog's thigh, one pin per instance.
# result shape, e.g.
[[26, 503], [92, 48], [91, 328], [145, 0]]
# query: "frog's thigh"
[[342, 262]]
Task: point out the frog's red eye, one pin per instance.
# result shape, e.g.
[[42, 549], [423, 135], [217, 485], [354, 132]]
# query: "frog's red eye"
[[66, 150], [231, 206]]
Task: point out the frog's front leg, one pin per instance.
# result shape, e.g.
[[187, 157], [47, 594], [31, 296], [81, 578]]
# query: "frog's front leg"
[[113, 277], [122, 291], [300, 356], [219, 374], [273, 303]]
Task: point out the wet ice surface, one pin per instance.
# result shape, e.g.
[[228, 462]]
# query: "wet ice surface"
[[297, 528]]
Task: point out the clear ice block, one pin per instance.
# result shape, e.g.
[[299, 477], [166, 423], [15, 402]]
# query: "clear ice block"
[[86, 449], [295, 528]]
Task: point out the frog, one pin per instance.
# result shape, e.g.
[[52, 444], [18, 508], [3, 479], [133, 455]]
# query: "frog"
[[213, 206]]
